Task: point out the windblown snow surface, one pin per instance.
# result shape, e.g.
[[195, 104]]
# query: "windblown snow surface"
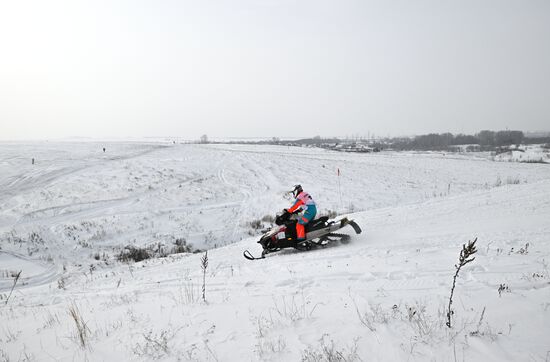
[[382, 297]]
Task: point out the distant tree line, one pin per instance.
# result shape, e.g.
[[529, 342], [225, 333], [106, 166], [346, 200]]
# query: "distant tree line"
[[485, 139]]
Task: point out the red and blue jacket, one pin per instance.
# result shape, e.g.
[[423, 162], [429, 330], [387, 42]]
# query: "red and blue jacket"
[[305, 202]]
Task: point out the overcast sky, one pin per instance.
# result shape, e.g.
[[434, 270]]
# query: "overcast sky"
[[272, 68]]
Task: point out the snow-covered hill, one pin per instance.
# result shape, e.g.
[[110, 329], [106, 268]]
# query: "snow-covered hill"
[[382, 297], [525, 153]]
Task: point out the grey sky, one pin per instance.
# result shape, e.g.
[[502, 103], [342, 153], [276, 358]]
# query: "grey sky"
[[272, 68]]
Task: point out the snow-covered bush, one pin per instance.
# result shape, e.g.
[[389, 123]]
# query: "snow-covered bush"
[[35, 238], [256, 224], [156, 250], [132, 253], [154, 345], [328, 352], [180, 246]]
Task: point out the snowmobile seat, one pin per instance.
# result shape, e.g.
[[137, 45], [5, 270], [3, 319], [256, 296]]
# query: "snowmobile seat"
[[317, 223]]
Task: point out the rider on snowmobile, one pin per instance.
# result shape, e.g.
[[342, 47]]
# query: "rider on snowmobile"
[[304, 202]]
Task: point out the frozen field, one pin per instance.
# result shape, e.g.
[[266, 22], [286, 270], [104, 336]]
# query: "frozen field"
[[380, 298]]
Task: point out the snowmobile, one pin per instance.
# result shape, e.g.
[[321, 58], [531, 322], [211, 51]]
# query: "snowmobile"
[[319, 232]]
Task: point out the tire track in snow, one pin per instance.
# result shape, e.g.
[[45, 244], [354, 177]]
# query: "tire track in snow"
[[91, 209], [246, 196], [47, 273], [43, 177], [257, 176]]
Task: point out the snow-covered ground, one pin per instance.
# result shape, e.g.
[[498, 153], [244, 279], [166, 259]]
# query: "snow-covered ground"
[[526, 153], [382, 297]]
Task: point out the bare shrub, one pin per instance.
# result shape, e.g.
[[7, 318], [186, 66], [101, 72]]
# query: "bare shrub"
[[476, 332], [10, 336], [292, 310], [158, 249], [263, 325], [8, 273], [13, 238], [268, 218], [328, 352], [204, 266], [331, 214], [524, 250], [486, 331], [544, 265], [182, 249], [188, 293], [35, 238], [509, 181], [420, 321], [465, 253], [15, 280], [181, 246], [266, 346], [155, 345], [503, 288], [373, 316], [85, 244], [51, 320], [414, 316], [82, 331], [61, 283], [131, 253], [256, 224]]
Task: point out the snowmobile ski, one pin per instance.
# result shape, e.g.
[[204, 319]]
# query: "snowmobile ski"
[[249, 256]]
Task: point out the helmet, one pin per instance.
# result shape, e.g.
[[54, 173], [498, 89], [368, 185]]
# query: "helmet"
[[296, 190]]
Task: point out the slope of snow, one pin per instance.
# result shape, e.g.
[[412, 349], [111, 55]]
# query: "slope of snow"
[[382, 297], [149, 193], [526, 153]]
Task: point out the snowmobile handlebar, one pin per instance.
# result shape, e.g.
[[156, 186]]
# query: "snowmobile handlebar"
[[285, 216], [291, 213]]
